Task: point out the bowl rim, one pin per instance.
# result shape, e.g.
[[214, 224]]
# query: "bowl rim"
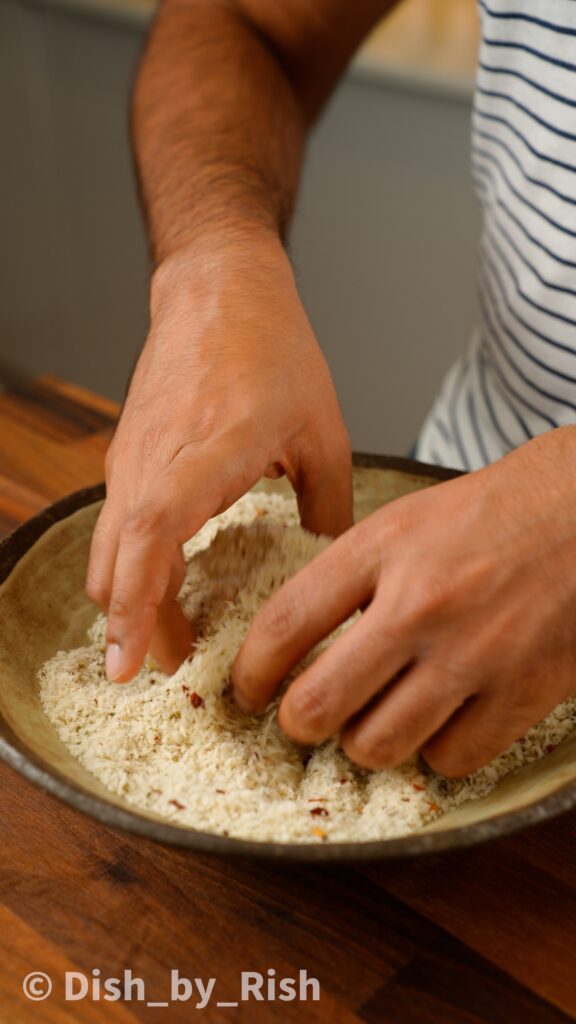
[[13, 753]]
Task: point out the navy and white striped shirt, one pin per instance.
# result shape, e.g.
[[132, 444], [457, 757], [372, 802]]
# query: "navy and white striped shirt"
[[518, 377]]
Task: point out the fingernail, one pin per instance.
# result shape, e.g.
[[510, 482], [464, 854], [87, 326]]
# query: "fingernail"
[[113, 661]]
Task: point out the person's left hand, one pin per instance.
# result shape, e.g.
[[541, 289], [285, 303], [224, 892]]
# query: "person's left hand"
[[468, 634]]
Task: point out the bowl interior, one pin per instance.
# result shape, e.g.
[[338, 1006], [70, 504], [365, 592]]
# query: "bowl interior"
[[43, 609]]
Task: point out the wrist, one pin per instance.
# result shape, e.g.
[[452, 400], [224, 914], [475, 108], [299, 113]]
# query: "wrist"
[[202, 270]]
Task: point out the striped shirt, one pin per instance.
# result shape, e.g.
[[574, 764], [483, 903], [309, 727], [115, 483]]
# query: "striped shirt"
[[518, 377]]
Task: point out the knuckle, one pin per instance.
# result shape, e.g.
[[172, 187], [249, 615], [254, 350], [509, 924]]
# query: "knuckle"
[[371, 750], [426, 602], [121, 605], [145, 521], [387, 632], [305, 716], [434, 594], [453, 760], [279, 618], [455, 678], [206, 422]]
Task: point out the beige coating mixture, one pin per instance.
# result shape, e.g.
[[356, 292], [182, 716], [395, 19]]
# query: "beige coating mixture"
[[179, 748]]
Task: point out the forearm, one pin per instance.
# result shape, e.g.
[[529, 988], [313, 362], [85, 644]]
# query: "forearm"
[[217, 128], [224, 97]]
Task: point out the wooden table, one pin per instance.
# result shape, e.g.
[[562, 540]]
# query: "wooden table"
[[485, 934]]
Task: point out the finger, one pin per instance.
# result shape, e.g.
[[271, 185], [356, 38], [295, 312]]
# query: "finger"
[[148, 546], [103, 550], [340, 682], [323, 487], [407, 715], [482, 729], [140, 584], [174, 635], [305, 610]]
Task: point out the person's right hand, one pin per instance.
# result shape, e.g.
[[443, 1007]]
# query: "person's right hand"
[[231, 385]]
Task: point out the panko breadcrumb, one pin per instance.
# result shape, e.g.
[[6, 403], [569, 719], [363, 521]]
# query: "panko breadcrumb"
[[179, 747]]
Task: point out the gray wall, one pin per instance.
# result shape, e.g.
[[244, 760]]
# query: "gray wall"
[[383, 242], [73, 276]]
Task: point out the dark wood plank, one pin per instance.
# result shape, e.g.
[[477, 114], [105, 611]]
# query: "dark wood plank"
[[57, 412], [512, 901], [54, 438], [451, 984]]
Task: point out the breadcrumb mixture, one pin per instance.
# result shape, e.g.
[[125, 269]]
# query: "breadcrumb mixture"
[[178, 746]]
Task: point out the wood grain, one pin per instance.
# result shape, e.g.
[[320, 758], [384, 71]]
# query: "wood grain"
[[480, 936], [54, 438]]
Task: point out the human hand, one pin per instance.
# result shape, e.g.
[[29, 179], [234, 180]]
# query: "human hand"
[[468, 638], [231, 385]]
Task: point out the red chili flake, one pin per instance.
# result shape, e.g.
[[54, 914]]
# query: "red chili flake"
[[220, 790], [96, 701], [185, 689], [319, 832], [420, 789], [550, 748], [157, 738], [196, 700], [434, 807], [343, 781], [178, 805], [318, 810]]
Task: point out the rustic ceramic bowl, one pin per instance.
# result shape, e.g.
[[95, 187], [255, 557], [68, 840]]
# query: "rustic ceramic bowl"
[[43, 609]]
